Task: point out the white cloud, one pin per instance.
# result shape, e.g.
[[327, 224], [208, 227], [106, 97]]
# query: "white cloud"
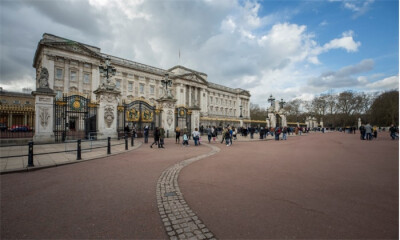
[[359, 7], [385, 84], [227, 39]]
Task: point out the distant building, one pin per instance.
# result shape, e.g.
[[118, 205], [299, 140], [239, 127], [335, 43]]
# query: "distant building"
[[17, 108], [74, 67]]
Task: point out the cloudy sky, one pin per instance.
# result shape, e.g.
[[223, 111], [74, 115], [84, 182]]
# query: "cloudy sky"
[[291, 49]]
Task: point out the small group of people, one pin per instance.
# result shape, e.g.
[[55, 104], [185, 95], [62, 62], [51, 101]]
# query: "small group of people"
[[367, 132], [185, 136], [159, 135]]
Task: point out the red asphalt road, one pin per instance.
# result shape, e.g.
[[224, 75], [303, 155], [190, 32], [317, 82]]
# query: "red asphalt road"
[[113, 197], [318, 186]]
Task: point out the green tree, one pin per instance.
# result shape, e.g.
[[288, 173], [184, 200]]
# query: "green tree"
[[385, 109]]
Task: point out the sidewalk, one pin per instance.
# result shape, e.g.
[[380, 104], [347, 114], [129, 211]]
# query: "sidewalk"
[[67, 155]]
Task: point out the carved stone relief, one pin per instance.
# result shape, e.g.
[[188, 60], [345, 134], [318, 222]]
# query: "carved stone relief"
[[44, 116], [108, 98], [168, 105], [170, 117], [44, 78], [109, 115]]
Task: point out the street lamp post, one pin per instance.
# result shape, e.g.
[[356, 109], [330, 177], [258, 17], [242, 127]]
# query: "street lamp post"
[[271, 99], [282, 103]]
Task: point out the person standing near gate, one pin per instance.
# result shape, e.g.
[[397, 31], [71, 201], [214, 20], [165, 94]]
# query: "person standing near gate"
[[177, 134], [126, 130], [146, 134]]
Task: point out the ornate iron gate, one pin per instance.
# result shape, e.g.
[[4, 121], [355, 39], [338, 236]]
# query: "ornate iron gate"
[[138, 114], [183, 118], [75, 118]]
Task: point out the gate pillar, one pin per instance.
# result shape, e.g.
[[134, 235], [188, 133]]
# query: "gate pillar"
[[195, 119], [107, 113], [44, 108], [168, 115]]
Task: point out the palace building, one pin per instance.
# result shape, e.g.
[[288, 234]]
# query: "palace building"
[[73, 67]]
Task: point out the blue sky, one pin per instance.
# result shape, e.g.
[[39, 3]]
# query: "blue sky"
[[291, 49]]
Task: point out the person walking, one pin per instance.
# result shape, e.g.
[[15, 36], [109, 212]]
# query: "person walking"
[[227, 137], [209, 134], [223, 135], [362, 132], [162, 136], [277, 133], [126, 130], [156, 138], [368, 131], [196, 136], [146, 134], [284, 133], [393, 131], [185, 141], [177, 135]]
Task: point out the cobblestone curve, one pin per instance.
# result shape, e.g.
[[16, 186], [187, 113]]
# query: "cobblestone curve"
[[179, 220]]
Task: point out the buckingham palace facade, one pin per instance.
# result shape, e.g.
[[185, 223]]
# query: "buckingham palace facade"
[[73, 67]]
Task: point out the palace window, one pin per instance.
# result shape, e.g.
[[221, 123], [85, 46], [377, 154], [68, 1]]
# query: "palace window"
[[59, 73], [141, 88], [3, 101], [86, 78], [16, 102], [72, 76], [130, 86], [27, 102], [152, 90], [87, 65], [118, 84]]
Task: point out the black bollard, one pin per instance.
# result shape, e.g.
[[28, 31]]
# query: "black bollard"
[[109, 145], [132, 143], [30, 154], [78, 151], [126, 142]]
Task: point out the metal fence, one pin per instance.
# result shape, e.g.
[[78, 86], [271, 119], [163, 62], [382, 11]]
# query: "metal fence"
[[72, 147]]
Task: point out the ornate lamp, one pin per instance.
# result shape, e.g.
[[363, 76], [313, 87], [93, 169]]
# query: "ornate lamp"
[[282, 103], [271, 99]]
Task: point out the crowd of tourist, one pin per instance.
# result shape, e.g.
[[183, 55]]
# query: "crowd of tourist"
[[228, 134]]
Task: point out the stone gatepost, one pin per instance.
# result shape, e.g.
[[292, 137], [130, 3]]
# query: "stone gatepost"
[[195, 119], [107, 112], [44, 108], [44, 117], [168, 115]]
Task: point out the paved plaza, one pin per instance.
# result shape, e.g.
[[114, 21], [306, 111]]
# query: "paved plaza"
[[315, 186]]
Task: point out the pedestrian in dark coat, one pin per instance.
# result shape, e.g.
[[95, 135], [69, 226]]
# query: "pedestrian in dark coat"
[[156, 138]]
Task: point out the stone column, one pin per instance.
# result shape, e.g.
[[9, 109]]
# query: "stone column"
[[107, 112], [190, 96], [96, 79], [168, 115], [44, 118], [80, 78], [66, 75], [359, 123]]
